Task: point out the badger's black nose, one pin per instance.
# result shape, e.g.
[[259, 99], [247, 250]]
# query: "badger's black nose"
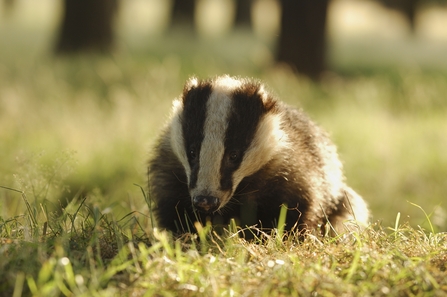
[[206, 204]]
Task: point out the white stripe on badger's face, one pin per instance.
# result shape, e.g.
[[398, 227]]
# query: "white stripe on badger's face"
[[177, 141], [213, 148], [268, 140]]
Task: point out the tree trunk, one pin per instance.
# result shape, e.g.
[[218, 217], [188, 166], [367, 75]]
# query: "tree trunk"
[[410, 11], [183, 13], [87, 25], [302, 41], [243, 13], [7, 7], [407, 7]]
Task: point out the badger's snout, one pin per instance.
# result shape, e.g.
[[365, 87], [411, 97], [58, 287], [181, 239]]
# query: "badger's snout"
[[206, 204]]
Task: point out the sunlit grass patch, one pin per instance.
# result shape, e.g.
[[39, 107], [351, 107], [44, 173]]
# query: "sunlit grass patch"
[[400, 261], [86, 250]]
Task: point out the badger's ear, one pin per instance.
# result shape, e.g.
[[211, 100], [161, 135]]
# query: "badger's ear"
[[192, 82], [267, 99]]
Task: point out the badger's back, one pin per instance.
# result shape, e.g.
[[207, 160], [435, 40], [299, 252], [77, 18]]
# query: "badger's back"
[[231, 150]]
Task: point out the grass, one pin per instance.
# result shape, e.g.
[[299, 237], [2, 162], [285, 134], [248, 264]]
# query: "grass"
[[88, 253], [76, 133]]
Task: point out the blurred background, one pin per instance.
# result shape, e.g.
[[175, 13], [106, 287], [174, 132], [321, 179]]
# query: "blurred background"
[[86, 86]]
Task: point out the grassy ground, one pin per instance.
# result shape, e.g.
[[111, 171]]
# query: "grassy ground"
[[75, 134]]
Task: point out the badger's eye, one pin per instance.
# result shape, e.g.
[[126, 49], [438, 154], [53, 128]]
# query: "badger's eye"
[[233, 156], [192, 154]]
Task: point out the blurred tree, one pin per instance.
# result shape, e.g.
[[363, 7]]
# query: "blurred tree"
[[407, 7], [302, 37], [243, 13], [7, 6], [87, 25], [183, 12]]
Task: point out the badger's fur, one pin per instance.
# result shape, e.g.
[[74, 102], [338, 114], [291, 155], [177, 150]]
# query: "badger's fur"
[[231, 150]]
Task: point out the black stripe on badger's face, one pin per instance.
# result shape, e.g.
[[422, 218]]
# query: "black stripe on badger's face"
[[246, 112], [193, 120]]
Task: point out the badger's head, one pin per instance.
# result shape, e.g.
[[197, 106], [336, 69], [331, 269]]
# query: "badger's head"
[[223, 130]]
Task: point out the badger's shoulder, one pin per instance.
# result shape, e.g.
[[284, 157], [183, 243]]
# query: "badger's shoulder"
[[166, 174]]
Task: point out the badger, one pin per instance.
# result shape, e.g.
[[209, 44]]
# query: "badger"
[[231, 150]]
